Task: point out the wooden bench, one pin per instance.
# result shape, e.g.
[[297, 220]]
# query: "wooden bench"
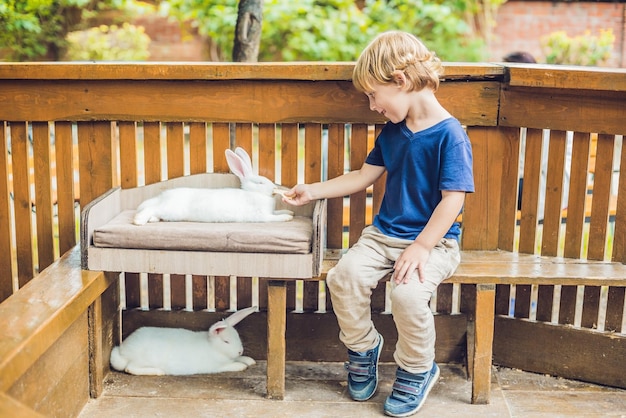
[[248, 251], [484, 270]]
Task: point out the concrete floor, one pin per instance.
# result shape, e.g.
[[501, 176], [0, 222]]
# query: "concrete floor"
[[319, 390]]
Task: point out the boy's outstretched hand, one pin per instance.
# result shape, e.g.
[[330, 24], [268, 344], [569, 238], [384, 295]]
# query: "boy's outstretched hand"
[[298, 195]]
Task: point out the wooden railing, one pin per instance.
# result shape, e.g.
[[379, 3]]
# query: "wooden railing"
[[70, 132]]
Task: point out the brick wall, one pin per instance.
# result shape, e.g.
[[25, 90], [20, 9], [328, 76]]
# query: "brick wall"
[[169, 42], [521, 24]]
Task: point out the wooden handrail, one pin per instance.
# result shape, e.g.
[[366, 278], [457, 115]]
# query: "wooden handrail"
[[312, 71], [35, 317]]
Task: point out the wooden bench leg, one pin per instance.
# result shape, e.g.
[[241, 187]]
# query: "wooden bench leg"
[[276, 325], [480, 343]]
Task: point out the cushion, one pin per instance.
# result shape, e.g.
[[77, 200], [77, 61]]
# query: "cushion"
[[292, 237]]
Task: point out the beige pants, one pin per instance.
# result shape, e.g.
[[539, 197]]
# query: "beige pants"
[[358, 272]]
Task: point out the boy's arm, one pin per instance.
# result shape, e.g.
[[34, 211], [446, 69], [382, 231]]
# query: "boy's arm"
[[344, 185], [416, 255]]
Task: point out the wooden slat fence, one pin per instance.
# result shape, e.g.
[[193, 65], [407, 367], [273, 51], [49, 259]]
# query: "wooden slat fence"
[[568, 210]]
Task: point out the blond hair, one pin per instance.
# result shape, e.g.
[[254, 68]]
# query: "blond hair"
[[394, 52]]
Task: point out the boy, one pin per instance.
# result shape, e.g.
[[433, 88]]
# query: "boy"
[[428, 159]]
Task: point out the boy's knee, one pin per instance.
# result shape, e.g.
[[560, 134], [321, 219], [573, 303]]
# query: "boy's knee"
[[336, 280], [331, 279], [411, 296]]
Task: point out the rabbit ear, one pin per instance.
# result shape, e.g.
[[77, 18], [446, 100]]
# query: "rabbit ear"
[[218, 327], [235, 318], [237, 165], [244, 156]]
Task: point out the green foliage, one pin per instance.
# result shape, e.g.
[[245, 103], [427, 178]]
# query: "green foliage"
[[31, 27], [306, 30], [109, 43], [336, 30], [441, 27], [35, 29], [559, 48], [312, 30]]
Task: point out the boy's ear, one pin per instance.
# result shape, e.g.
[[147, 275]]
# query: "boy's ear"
[[399, 78]]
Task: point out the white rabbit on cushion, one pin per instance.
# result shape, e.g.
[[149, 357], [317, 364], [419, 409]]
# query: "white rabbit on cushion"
[[176, 351], [253, 202]]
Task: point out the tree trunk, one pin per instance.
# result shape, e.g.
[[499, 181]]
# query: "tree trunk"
[[248, 31]]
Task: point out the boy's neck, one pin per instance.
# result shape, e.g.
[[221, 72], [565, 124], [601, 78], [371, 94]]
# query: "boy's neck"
[[426, 111]]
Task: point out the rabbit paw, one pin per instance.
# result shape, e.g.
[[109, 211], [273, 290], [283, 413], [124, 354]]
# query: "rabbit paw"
[[144, 371], [236, 366], [141, 218], [282, 216], [248, 361], [283, 212]]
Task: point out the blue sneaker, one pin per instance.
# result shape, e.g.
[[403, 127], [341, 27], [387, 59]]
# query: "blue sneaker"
[[363, 372], [410, 391]]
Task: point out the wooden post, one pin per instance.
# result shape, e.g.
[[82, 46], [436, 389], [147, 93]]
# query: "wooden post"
[[96, 372], [482, 344], [276, 347], [103, 333]]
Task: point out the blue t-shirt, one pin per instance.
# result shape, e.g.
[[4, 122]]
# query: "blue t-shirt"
[[419, 166]]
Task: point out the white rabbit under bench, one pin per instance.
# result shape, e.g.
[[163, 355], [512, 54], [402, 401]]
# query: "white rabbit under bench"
[[120, 232], [148, 350]]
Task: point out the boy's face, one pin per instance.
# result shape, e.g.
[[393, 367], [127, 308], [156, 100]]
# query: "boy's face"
[[389, 100]]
